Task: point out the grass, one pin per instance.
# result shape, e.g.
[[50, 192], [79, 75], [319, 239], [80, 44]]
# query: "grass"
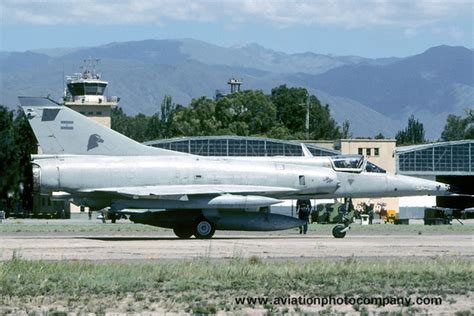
[[205, 286]]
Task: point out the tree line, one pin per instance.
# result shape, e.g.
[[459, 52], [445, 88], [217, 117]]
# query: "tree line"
[[282, 114], [455, 128], [17, 143]]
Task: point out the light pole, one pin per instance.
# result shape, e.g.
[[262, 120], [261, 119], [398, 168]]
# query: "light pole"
[[307, 116]]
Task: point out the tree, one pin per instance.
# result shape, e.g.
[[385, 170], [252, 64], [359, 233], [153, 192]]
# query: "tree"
[[281, 115], [322, 125], [120, 121], [379, 136], [345, 134], [253, 110], [17, 142], [458, 127], [198, 119], [167, 111], [414, 133], [7, 156], [290, 105], [25, 145]]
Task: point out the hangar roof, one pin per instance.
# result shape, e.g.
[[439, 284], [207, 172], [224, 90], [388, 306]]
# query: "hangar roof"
[[444, 158], [238, 146]]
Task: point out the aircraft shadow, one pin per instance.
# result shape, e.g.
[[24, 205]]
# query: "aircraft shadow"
[[121, 238]]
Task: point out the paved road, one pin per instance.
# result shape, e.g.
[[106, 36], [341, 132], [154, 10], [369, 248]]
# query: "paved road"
[[55, 246]]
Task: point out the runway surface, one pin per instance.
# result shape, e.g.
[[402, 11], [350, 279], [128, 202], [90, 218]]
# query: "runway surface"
[[166, 247], [82, 239]]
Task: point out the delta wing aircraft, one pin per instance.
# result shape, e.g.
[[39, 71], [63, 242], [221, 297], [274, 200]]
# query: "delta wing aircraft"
[[94, 166]]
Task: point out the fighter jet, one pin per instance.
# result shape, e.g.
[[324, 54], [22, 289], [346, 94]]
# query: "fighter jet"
[[94, 166]]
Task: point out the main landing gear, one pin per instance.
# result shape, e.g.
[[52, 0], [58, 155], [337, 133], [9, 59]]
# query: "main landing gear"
[[183, 232], [202, 229]]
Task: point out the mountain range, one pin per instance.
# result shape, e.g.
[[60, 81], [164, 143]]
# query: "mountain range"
[[375, 95]]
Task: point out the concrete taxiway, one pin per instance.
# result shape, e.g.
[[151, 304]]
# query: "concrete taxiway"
[[166, 247], [82, 239]]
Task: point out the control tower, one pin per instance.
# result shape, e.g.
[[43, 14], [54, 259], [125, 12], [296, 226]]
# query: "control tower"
[[234, 84], [234, 87], [85, 93]]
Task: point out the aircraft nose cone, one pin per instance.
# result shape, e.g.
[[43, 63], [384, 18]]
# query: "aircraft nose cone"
[[417, 186], [443, 187], [438, 187]]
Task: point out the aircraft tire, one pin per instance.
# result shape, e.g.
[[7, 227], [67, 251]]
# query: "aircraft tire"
[[336, 231], [183, 232], [204, 229]]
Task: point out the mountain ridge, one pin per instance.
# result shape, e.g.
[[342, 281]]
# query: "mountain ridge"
[[435, 82]]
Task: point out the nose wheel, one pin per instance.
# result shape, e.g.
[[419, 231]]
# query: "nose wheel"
[[340, 230]]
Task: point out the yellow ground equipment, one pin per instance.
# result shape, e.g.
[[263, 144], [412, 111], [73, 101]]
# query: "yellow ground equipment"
[[390, 217]]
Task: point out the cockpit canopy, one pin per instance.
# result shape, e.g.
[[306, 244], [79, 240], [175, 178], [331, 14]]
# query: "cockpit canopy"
[[370, 167], [354, 163]]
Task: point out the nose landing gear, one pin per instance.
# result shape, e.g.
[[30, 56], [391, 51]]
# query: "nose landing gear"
[[339, 231]]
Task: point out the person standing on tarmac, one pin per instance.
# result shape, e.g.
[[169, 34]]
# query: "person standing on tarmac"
[[304, 211]]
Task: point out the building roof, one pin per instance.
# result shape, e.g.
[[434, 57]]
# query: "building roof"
[[443, 158], [238, 146]]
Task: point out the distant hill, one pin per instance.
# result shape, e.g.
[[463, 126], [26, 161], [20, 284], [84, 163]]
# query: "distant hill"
[[376, 95], [437, 81]]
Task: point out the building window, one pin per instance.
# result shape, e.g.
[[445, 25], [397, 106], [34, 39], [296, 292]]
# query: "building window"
[[368, 151], [361, 151], [83, 113], [98, 113], [90, 113], [376, 152]]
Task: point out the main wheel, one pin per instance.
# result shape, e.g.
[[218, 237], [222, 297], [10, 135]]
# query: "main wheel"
[[337, 231], [183, 232], [204, 229]]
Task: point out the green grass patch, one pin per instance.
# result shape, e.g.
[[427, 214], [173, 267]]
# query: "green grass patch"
[[208, 286]]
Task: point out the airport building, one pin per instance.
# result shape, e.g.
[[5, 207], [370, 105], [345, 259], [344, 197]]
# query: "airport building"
[[239, 146], [86, 93], [448, 162]]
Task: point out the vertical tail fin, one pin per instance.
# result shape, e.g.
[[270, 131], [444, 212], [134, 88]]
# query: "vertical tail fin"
[[60, 130]]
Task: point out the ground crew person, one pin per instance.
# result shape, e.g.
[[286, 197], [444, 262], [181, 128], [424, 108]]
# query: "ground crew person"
[[304, 211]]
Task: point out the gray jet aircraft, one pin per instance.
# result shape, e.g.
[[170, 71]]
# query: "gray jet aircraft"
[[97, 167]]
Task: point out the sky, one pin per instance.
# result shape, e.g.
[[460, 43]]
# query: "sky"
[[376, 28]]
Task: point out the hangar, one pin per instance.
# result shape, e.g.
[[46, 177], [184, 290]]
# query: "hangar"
[[238, 146], [448, 162]]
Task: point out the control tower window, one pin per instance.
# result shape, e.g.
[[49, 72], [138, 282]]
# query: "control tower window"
[[370, 167], [86, 88]]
